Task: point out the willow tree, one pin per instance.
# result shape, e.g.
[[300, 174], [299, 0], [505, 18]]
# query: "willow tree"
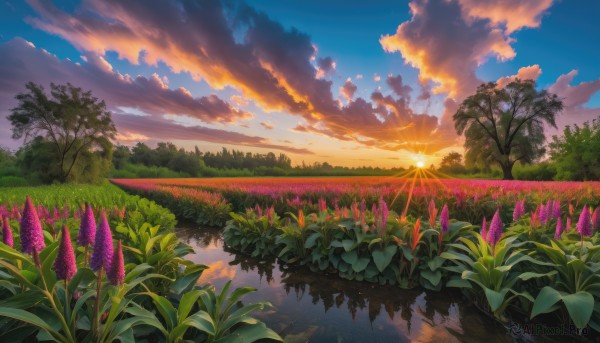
[[506, 125], [72, 126]]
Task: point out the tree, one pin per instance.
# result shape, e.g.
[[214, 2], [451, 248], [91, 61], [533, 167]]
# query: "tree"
[[76, 124], [506, 125], [452, 163], [576, 153]]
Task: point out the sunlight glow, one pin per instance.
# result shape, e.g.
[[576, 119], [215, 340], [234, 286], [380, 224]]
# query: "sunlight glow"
[[420, 164]]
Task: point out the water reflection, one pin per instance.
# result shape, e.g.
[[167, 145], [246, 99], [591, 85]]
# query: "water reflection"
[[315, 307]]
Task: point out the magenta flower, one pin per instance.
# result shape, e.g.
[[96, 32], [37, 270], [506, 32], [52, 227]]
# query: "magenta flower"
[[517, 211], [32, 236], [556, 210], [495, 231], [7, 237], [103, 246], [64, 265], [444, 218], [543, 214], [116, 273], [87, 228], [559, 229], [584, 225], [596, 218], [484, 232]]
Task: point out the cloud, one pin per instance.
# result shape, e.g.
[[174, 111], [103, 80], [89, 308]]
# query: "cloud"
[[399, 88], [325, 67], [20, 62], [348, 89], [230, 44], [445, 47], [267, 125], [525, 73], [239, 101], [575, 98], [376, 78], [359, 76], [514, 14]]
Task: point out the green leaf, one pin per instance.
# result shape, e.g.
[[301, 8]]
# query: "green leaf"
[[29, 318], [545, 301], [350, 257], [383, 257], [348, 244], [250, 333], [580, 306], [311, 240], [360, 264], [434, 277], [494, 298]]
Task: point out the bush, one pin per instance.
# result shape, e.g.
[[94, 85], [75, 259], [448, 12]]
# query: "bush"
[[535, 172], [13, 181]]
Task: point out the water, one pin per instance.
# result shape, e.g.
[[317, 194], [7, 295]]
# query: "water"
[[313, 307]]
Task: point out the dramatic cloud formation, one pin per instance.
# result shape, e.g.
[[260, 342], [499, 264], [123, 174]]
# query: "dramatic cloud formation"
[[20, 60], [445, 47], [231, 44]]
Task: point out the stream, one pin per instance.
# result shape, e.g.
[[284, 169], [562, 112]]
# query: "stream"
[[315, 307]]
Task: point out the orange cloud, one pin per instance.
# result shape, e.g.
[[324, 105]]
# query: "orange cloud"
[[272, 66], [446, 48], [525, 73], [515, 14]]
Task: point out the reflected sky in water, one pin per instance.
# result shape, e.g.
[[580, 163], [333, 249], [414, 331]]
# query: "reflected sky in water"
[[314, 307]]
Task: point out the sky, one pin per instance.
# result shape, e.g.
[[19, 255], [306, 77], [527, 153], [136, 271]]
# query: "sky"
[[348, 82]]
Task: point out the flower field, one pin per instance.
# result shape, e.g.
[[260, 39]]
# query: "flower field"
[[94, 264], [468, 200], [516, 249]]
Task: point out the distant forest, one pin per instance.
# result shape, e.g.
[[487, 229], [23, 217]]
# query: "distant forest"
[[168, 160]]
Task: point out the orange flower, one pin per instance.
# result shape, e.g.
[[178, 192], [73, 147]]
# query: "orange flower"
[[301, 220]]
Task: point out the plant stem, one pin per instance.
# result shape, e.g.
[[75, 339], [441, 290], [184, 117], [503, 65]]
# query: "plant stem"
[[96, 324], [85, 256], [67, 302]]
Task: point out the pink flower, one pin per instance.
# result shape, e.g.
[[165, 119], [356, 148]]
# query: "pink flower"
[[484, 232], [116, 273], [495, 231], [559, 229], [64, 265], [7, 237], [87, 228], [444, 218], [103, 246], [584, 225], [32, 236], [596, 218]]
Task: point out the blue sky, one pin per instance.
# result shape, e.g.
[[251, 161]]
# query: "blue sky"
[[266, 90]]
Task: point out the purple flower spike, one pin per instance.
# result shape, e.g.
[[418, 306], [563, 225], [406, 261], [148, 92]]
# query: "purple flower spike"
[[495, 231], [596, 218], [559, 229], [543, 215], [484, 232], [116, 273], [444, 218], [64, 265], [87, 228], [556, 210], [517, 211], [103, 246], [584, 225], [32, 236], [7, 237]]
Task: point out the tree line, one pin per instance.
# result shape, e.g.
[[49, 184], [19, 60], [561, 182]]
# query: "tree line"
[[68, 136]]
